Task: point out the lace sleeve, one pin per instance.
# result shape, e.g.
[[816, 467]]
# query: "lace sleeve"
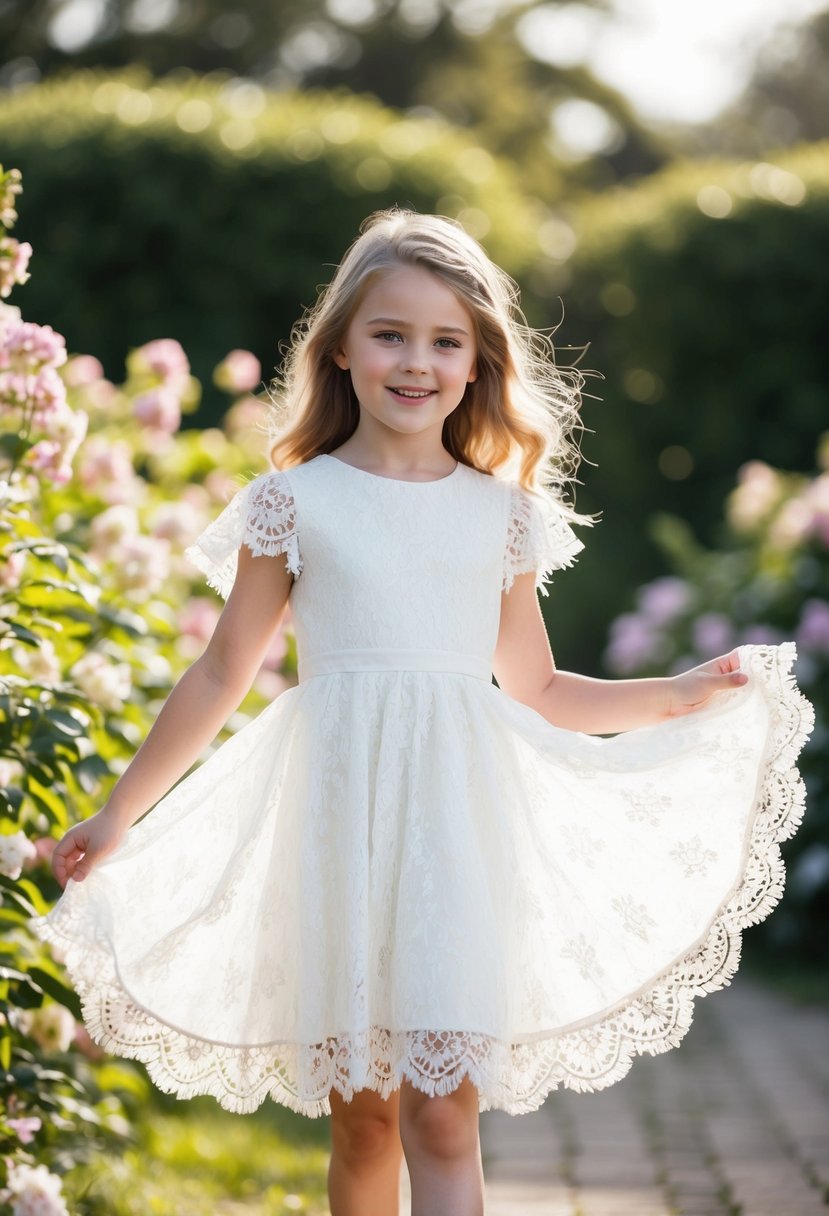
[[538, 538], [262, 516]]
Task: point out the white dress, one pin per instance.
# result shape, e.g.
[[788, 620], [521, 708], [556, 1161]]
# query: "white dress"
[[397, 871]]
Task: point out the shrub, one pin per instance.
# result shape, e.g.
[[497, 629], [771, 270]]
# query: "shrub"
[[98, 618], [702, 292], [204, 209], [768, 582]]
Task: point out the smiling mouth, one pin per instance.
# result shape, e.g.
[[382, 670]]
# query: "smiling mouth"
[[412, 394]]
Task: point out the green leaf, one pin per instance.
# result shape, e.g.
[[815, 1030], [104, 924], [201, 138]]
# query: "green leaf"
[[34, 893], [58, 991], [11, 798], [19, 631], [67, 723], [14, 446]]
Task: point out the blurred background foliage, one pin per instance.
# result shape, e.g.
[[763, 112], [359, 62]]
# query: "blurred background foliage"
[[192, 173]]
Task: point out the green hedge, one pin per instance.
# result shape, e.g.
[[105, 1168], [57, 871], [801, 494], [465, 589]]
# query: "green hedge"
[[710, 331], [219, 235]]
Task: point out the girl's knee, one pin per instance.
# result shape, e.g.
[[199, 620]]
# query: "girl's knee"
[[365, 1129], [445, 1128]]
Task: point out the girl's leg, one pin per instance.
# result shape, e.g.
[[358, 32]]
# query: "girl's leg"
[[443, 1151], [364, 1174]]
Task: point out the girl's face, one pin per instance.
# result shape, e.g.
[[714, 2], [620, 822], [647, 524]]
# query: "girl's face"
[[411, 351]]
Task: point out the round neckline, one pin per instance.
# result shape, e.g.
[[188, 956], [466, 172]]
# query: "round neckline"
[[398, 481]]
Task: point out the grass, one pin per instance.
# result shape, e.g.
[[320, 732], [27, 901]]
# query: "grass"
[[195, 1159]]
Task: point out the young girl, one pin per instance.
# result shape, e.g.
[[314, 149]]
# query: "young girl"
[[403, 894]]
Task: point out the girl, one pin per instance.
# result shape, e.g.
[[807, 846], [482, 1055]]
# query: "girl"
[[403, 894]]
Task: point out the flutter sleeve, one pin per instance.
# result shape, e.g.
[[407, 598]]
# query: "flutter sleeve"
[[262, 516], [538, 538]]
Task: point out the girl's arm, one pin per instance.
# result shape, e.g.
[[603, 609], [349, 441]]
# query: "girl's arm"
[[525, 670], [191, 717]]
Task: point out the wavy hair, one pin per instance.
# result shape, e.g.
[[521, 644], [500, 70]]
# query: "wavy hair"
[[517, 419]]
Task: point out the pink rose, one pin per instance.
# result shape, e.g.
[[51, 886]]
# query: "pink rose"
[[159, 409], [27, 347], [165, 358], [47, 458], [14, 260], [239, 372], [83, 370], [25, 1128]]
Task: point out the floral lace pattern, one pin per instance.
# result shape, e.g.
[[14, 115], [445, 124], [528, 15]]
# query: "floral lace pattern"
[[538, 538], [260, 516], [400, 872]]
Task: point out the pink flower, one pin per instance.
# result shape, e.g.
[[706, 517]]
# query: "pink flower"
[[165, 358], [44, 848], [246, 419], [12, 566], [47, 458], [10, 187], [713, 634], [86, 1045], [239, 372], [813, 630], [14, 260], [198, 619], [105, 468], [158, 408], [178, 522], [47, 393], [33, 1191], [111, 527], [663, 600], [634, 643], [758, 490], [15, 850], [107, 684], [143, 564], [83, 370], [27, 347], [25, 1128]]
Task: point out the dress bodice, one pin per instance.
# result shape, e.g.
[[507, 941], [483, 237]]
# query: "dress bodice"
[[387, 565]]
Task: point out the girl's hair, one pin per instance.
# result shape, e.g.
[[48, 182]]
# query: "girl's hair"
[[515, 420]]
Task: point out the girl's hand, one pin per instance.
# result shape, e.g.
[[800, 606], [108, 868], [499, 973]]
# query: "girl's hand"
[[85, 845], [693, 689]]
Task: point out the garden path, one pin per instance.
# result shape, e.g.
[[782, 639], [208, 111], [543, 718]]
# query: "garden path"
[[734, 1122]]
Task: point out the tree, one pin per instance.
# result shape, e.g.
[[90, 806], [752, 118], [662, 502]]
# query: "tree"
[[786, 101], [483, 77]]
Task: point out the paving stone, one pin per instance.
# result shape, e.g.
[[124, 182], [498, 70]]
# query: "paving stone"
[[736, 1119]]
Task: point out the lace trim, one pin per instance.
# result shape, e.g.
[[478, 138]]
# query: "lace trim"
[[538, 538], [263, 517], [515, 1077]]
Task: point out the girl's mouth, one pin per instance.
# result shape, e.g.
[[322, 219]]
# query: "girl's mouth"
[[413, 395]]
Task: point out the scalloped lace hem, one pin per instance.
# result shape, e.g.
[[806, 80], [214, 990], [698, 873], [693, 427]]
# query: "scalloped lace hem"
[[515, 1077]]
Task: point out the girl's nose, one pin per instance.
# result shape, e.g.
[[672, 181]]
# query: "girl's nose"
[[415, 361]]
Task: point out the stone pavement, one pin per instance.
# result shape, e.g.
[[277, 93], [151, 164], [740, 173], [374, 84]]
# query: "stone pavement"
[[735, 1122]]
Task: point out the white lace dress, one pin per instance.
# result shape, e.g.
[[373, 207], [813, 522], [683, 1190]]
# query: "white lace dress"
[[396, 871]]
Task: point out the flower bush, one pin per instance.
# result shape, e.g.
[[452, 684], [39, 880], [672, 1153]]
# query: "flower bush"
[[100, 492], [767, 583]]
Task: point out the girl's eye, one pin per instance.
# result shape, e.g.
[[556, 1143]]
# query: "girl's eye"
[[448, 343], [389, 336]]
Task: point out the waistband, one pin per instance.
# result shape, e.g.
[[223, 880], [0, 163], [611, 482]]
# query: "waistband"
[[451, 661]]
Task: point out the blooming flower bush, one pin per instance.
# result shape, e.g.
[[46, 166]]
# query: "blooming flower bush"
[[769, 582], [100, 493]]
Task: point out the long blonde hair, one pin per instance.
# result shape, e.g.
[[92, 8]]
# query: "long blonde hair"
[[515, 420]]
